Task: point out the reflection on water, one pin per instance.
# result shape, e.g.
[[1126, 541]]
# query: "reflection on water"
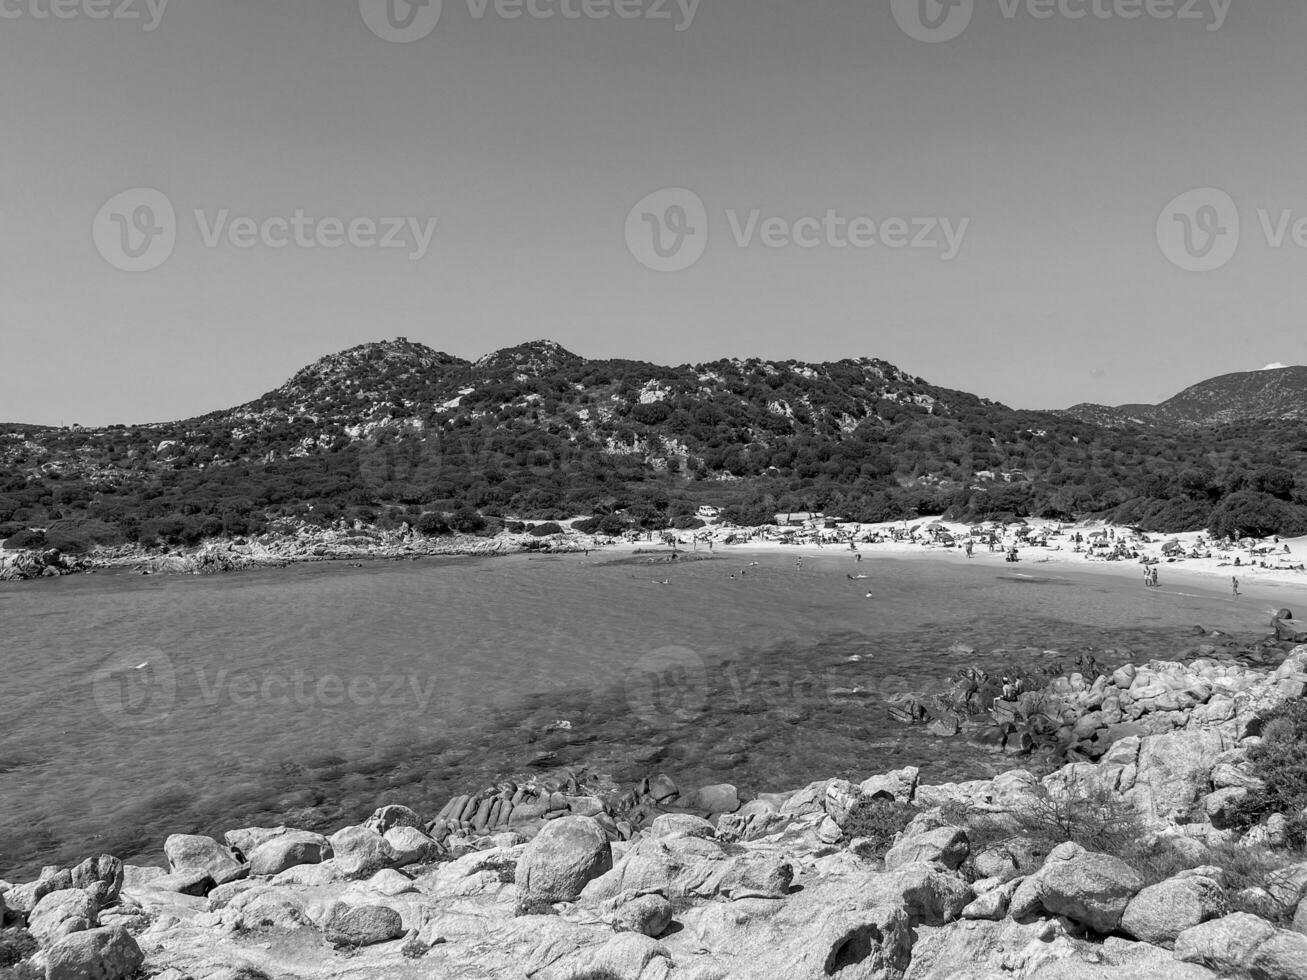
[[139, 707]]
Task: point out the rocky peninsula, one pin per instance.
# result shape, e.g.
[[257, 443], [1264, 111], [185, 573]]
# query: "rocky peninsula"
[[1139, 857]]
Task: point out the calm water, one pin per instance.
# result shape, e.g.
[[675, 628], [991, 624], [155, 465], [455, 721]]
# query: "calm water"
[[138, 707]]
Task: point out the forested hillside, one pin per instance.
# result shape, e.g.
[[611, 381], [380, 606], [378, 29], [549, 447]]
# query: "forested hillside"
[[394, 432]]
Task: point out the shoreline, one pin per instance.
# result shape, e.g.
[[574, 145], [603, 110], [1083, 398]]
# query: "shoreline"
[[1264, 566]]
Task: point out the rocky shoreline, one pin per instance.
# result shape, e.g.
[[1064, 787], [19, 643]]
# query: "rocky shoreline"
[[300, 545], [564, 878]]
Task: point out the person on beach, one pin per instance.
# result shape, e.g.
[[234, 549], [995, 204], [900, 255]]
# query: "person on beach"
[[970, 548], [1234, 583]]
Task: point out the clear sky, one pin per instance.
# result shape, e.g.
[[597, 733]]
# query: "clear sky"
[[1059, 140]]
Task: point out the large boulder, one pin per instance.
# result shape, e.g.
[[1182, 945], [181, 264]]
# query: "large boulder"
[[565, 856], [1246, 946], [191, 852], [1089, 888], [97, 954], [360, 852], [288, 850], [60, 914], [1174, 774], [101, 877], [946, 846], [1160, 912]]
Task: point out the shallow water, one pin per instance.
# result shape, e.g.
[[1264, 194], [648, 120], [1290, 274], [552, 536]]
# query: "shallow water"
[[138, 707]]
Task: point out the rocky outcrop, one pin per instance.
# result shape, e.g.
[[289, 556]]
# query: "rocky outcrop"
[[627, 885]]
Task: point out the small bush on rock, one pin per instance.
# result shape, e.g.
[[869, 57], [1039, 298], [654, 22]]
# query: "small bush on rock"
[[877, 821], [1280, 762]]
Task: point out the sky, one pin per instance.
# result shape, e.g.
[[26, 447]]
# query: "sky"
[[203, 196]]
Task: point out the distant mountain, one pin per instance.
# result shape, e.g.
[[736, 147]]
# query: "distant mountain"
[[1276, 394], [394, 433]]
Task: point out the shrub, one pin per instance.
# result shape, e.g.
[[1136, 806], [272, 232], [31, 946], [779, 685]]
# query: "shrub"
[[77, 536], [544, 530], [1280, 762], [879, 821], [467, 521], [432, 525], [25, 539]]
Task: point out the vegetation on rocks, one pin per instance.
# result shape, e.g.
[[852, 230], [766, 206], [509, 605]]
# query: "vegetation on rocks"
[[1279, 764]]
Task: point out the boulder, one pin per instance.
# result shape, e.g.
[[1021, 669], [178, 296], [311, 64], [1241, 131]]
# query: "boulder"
[[247, 840], [649, 915], [1223, 807], [946, 846], [564, 858], [1245, 946], [662, 789], [363, 925], [899, 785], [722, 798], [1159, 913], [191, 852], [390, 817], [993, 904], [360, 853], [1088, 888], [690, 867], [102, 877], [996, 862], [288, 850], [841, 797], [60, 914], [412, 846], [23, 898], [1174, 773], [929, 896], [97, 954]]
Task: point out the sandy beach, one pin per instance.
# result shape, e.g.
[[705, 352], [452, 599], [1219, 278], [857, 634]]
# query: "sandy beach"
[[1265, 571]]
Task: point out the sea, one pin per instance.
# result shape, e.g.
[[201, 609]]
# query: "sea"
[[137, 707]]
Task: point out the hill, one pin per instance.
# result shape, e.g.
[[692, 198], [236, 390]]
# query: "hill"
[[1276, 394], [395, 432]]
